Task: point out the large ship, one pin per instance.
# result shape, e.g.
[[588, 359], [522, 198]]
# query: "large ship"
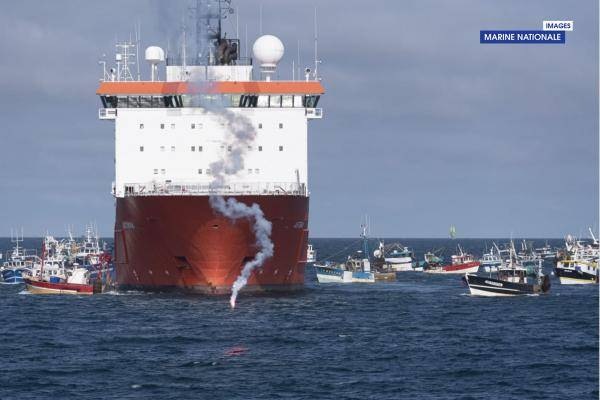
[[178, 147]]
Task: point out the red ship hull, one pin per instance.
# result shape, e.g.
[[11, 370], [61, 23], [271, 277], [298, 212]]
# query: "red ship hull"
[[181, 243]]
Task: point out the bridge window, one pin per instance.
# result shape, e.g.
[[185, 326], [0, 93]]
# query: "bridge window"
[[162, 126], [280, 125], [287, 101], [259, 148], [260, 126], [248, 101], [199, 148], [263, 101], [280, 148], [141, 126], [200, 171], [275, 101], [193, 148], [311, 101], [141, 148]]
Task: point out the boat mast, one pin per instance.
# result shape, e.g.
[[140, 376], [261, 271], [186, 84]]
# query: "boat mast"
[[365, 240]]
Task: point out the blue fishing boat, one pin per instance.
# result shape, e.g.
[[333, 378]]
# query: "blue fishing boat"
[[17, 264]]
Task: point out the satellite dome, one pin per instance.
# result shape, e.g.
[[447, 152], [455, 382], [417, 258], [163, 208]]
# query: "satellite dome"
[[268, 50], [154, 54]]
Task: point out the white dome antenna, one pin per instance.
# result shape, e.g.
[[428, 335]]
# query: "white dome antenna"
[[154, 55], [268, 51]]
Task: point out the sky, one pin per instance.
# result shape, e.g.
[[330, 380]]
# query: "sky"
[[423, 127]]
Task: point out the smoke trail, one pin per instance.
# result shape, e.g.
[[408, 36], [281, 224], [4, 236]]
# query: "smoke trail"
[[233, 209], [239, 137]]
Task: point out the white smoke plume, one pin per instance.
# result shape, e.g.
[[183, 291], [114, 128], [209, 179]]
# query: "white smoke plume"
[[239, 138], [233, 209]]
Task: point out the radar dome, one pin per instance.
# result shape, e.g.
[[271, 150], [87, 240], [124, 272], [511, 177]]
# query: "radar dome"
[[154, 54], [268, 50]]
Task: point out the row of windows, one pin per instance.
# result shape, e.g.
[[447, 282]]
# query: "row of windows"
[[211, 100], [206, 171], [200, 148], [199, 126]]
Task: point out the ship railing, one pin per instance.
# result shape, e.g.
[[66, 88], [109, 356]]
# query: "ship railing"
[[314, 113], [107, 113], [195, 62], [237, 189]]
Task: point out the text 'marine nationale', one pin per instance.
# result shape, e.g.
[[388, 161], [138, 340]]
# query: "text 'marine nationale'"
[[522, 37]]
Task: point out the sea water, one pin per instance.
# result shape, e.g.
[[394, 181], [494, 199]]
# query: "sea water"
[[422, 337]]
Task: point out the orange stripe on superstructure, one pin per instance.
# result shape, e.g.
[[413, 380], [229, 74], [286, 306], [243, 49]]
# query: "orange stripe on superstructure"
[[174, 88]]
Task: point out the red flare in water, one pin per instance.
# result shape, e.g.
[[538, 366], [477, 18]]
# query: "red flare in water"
[[236, 351]]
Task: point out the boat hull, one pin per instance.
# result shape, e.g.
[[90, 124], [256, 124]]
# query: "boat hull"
[[402, 267], [12, 276], [385, 276], [458, 269], [576, 276], [491, 287], [180, 243], [326, 274], [40, 287]]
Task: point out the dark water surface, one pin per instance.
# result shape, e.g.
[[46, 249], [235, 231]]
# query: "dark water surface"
[[419, 338]]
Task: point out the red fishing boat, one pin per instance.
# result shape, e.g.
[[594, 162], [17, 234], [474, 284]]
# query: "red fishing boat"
[[37, 286], [462, 263], [58, 280]]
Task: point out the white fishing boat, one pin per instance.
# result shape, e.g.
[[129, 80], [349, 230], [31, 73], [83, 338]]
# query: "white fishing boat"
[[356, 269], [311, 254], [491, 260], [399, 258], [578, 264]]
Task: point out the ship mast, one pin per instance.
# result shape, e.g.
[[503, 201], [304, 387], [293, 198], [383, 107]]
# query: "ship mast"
[[208, 16]]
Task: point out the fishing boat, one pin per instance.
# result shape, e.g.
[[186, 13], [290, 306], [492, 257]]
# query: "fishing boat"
[[545, 252], [77, 283], [461, 263], [18, 263], [54, 276], [578, 263], [431, 261], [577, 272], [511, 279], [398, 258], [311, 254], [383, 270], [491, 260], [356, 269]]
